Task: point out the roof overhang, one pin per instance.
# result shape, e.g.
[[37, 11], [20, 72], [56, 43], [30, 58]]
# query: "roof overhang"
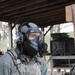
[[42, 12]]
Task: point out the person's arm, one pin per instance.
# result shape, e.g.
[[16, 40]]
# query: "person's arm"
[[44, 70], [4, 69], [5, 65]]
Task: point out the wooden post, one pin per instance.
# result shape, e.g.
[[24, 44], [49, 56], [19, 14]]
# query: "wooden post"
[[10, 35], [43, 33], [73, 17], [68, 13]]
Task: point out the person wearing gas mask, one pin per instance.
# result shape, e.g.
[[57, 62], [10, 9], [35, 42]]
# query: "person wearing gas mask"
[[27, 57]]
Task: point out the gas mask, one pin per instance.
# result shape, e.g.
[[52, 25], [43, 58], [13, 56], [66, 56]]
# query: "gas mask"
[[37, 45], [32, 46]]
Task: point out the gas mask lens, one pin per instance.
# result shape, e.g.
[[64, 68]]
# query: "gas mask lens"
[[33, 36]]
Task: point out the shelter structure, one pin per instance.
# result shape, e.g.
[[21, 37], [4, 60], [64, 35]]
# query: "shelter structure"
[[42, 12]]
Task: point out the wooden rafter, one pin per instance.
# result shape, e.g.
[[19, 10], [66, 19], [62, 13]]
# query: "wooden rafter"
[[42, 12]]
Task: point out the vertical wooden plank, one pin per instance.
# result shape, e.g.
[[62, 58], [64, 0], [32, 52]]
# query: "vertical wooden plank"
[[68, 13], [43, 33], [73, 17], [10, 35]]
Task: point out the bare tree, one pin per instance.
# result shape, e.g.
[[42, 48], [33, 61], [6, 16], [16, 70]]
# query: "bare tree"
[[55, 29], [4, 30]]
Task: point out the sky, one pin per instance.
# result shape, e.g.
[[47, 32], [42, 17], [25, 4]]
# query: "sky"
[[66, 27]]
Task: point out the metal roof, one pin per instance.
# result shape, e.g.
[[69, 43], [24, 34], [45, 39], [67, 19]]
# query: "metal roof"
[[42, 12]]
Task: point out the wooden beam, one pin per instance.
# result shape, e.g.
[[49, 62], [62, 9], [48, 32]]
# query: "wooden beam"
[[60, 16], [3, 18], [38, 12], [45, 24], [73, 17], [68, 13], [34, 7], [46, 20], [10, 35], [21, 5], [51, 19], [48, 30], [9, 3], [24, 5], [44, 14], [41, 17], [2, 0], [38, 16]]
